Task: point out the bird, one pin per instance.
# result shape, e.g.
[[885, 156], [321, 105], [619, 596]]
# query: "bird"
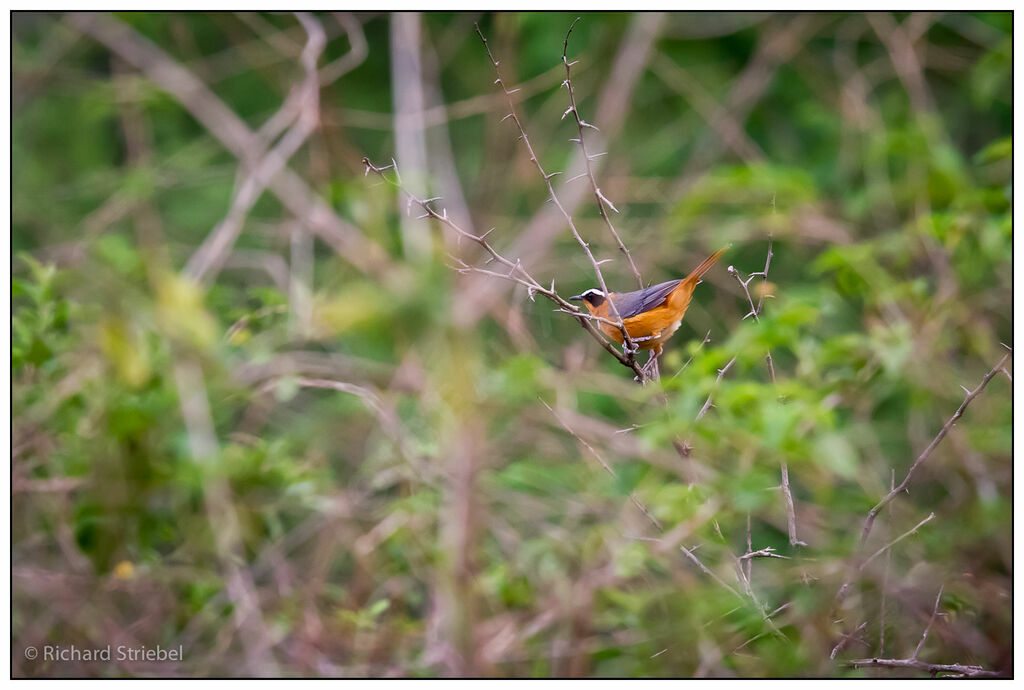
[[650, 315]]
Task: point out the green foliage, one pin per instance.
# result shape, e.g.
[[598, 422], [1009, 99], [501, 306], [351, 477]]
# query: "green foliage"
[[353, 471]]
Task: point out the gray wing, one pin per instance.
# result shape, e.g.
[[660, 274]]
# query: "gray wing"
[[633, 303]]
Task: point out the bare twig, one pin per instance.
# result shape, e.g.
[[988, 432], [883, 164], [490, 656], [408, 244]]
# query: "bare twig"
[[971, 395], [960, 670], [924, 635], [608, 468], [885, 578], [790, 509], [860, 568], [766, 552], [689, 554], [599, 197], [846, 639], [707, 403]]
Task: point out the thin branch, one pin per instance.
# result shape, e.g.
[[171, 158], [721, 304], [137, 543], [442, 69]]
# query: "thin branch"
[[971, 395], [766, 552], [860, 568], [846, 639], [689, 554], [924, 636], [885, 578], [608, 468], [790, 509], [600, 198], [516, 272], [934, 669], [721, 373]]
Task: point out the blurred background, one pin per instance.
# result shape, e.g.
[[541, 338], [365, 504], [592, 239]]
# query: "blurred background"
[[256, 413]]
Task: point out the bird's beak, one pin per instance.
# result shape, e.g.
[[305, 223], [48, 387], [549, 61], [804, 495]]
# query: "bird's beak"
[[577, 297]]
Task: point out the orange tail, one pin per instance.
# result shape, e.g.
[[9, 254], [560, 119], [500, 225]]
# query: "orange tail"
[[704, 266]]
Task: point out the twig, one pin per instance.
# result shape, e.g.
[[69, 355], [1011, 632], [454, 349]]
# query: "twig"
[[721, 373], [790, 509], [755, 311], [860, 568], [599, 197], [689, 554], [924, 635], [846, 639], [608, 468], [933, 669], [766, 552], [971, 395], [885, 578]]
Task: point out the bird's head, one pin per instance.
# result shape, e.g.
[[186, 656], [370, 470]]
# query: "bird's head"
[[593, 298]]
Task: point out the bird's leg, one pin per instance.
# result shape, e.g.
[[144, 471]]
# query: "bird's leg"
[[650, 369], [655, 371]]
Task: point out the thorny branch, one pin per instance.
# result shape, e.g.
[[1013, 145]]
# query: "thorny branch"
[[627, 343], [515, 270], [581, 124], [971, 395], [956, 670], [755, 311]]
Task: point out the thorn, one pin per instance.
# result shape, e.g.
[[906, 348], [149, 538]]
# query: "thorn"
[[513, 91], [602, 261], [489, 260], [506, 117], [565, 83], [1006, 346], [567, 111], [498, 80], [575, 141], [431, 199], [550, 175], [573, 179], [425, 215], [584, 123], [603, 198], [964, 389], [530, 292], [574, 62], [486, 234], [597, 155]]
